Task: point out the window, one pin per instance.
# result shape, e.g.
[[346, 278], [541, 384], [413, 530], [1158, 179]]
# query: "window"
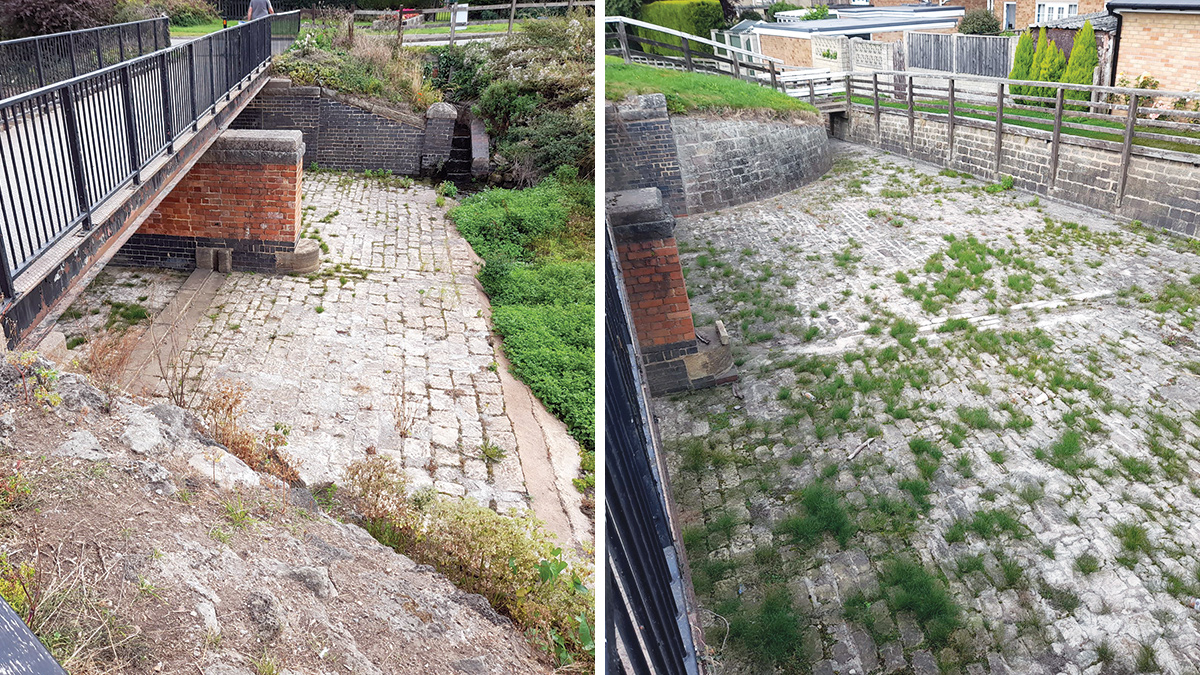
[[1050, 11]]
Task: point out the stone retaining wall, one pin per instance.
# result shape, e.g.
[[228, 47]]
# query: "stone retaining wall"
[[349, 134], [703, 164], [1160, 192]]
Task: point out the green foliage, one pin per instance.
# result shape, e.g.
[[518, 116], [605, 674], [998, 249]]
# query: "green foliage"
[[823, 513], [502, 223], [779, 7], [549, 140], [505, 103], [1082, 64], [629, 8], [770, 634], [550, 283], [817, 13], [1053, 63], [695, 17], [694, 91], [1035, 66], [915, 590], [979, 22], [461, 72]]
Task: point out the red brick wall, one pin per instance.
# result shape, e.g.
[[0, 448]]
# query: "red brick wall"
[[232, 201], [662, 314]]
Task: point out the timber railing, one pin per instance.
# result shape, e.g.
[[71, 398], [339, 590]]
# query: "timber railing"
[[30, 63], [68, 147], [1133, 122], [624, 37]]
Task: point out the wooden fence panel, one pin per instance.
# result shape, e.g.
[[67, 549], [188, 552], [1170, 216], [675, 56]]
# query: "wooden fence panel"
[[983, 55], [930, 51]]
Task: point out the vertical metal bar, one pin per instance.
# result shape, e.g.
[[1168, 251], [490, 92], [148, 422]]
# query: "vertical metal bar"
[[512, 13], [999, 125], [25, 249], [99, 51], [135, 161], [1058, 111], [1127, 147], [6, 265], [121, 42], [82, 199], [191, 52], [141, 48], [168, 109], [212, 75], [28, 148], [950, 125], [74, 65], [37, 50], [687, 56]]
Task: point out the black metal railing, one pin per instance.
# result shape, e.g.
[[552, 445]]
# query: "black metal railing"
[[68, 147], [33, 63], [646, 599]]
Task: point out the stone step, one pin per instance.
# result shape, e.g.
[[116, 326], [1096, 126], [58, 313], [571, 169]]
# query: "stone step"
[[168, 333]]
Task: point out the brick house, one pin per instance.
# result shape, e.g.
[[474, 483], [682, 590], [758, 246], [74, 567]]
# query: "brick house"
[[1020, 14], [1160, 38]]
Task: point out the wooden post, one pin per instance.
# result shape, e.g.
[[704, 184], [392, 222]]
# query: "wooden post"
[[512, 14], [350, 32], [400, 28], [999, 125], [848, 101], [1058, 111], [912, 118], [774, 78], [453, 16], [687, 56], [875, 95], [812, 93], [624, 40], [950, 125], [1126, 149], [737, 70]]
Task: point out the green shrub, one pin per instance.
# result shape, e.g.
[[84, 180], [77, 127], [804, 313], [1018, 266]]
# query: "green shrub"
[[696, 17], [504, 103], [552, 349], [180, 12], [1054, 62], [551, 283], [550, 140], [503, 223], [823, 512], [509, 559], [816, 13], [1082, 64], [779, 7], [629, 8], [979, 22]]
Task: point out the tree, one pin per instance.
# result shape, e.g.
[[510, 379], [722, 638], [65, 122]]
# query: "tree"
[[1035, 68], [629, 8], [816, 13], [1082, 65], [1022, 61], [979, 22], [1053, 65], [779, 7]]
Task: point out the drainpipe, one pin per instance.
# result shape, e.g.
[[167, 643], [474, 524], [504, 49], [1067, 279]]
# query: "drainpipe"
[[1116, 52]]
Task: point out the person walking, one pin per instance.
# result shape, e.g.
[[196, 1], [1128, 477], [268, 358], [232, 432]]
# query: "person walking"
[[259, 9]]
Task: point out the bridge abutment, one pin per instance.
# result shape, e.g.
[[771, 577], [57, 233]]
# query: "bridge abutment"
[[237, 209]]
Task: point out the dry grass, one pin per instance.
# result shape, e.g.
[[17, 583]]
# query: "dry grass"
[[402, 411], [107, 357], [222, 408]]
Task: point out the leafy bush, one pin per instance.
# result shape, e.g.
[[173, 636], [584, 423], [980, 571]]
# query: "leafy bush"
[[552, 349], [503, 223], [460, 72], [777, 7], [26, 18], [750, 15], [510, 560], [552, 283], [504, 103], [816, 13], [629, 8], [180, 12], [548, 141], [979, 22], [1022, 61], [696, 17]]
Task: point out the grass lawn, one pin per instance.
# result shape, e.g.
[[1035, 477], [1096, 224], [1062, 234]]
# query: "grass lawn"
[[693, 91], [199, 29], [986, 112]]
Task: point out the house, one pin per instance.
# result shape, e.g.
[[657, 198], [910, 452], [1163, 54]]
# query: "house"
[[790, 39], [1160, 38], [1018, 14], [1062, 33]]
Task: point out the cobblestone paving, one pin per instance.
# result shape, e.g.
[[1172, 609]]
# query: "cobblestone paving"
[[1002, 390], [385, 350]]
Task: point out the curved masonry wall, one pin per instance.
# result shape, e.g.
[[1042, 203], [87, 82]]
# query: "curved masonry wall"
[[703, 164]]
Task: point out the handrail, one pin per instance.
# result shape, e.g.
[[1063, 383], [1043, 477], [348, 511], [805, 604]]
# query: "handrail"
[[34, 62], [68, 147], [690, 37], [1120, 91]]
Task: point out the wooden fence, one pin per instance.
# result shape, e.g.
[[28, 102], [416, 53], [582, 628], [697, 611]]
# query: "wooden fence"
[[984, 55], [432, 18], [1129, 121]]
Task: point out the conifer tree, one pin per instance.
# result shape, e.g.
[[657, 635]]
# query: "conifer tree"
[[1022, 61], [1082, 64]]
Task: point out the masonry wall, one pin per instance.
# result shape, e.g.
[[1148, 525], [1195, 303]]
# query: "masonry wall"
[[1165, 45], [640, 150], [242, 198], [1160, 192], [793, 51], [352, 137], [702, 164], [729, 162]]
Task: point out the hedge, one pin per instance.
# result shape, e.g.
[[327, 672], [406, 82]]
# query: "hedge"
[[696, 17]]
